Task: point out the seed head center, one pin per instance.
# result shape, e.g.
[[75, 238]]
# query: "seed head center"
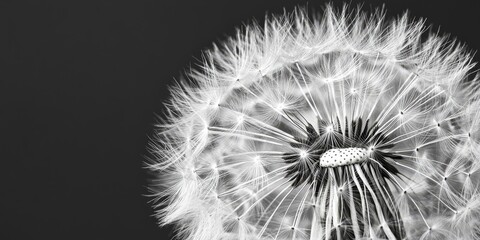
[[343, 156]]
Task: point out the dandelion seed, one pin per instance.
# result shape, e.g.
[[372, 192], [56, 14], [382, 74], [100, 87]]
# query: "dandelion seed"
[[345, 126]]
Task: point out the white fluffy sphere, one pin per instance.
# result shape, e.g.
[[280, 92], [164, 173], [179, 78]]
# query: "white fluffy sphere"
[[344, 126]]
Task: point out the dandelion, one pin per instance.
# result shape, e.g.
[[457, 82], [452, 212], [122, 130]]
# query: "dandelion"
[[340, 126]]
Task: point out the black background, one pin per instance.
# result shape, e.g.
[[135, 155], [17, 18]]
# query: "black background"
[[80, 82]]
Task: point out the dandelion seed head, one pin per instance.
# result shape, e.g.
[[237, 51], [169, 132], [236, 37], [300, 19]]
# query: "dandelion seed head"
[[341, 126]]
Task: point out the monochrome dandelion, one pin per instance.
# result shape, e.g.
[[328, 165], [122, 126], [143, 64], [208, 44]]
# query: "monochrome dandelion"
[[343, 125]]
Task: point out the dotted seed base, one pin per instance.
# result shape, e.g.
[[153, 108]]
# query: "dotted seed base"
[[343, 156]]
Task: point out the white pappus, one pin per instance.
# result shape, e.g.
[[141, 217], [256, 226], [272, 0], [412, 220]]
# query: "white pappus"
[[343, 125]]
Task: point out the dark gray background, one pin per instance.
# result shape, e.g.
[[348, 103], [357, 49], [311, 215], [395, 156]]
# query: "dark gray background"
[[79, 84]]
